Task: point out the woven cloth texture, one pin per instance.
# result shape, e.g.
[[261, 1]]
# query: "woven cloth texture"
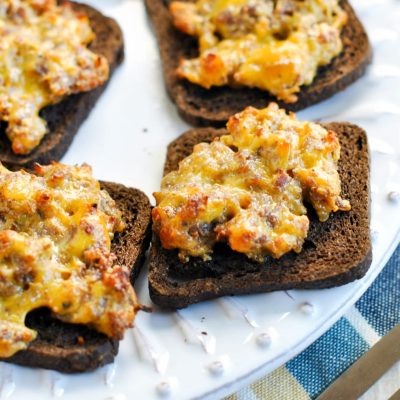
[[313, 370]]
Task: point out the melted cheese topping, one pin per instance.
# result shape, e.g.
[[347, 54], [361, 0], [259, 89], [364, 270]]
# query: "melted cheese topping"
[[272, 45], [43, 58], [56, 229], [248, 188]]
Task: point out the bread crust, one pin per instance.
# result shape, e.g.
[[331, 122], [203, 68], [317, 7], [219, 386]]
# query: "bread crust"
[[65, 118], [213, 107], [77, 348], [335, 252]]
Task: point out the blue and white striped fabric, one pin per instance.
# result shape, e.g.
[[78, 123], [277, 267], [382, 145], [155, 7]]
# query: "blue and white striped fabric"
[[312, 371]]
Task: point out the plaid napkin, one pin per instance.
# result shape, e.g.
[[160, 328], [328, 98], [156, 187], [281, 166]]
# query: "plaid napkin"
[[312, 371]]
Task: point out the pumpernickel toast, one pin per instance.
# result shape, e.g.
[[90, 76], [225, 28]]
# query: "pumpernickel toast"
[[335, 252], [213, 107], [76, 348], [65, 118]]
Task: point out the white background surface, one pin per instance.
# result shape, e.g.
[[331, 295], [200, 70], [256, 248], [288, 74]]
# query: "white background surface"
[[125, 139]]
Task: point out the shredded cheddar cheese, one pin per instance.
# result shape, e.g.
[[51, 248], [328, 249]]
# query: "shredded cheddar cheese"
[[272, 45], [43, 58], [248, 188], [56, 229]]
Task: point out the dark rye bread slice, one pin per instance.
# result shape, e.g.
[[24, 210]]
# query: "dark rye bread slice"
[[204, 107], [335, 252], [76, 348], [65, 118]]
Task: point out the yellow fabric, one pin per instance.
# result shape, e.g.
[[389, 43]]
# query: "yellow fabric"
[[279, 385]]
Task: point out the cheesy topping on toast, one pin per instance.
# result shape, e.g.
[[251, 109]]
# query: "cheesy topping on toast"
[[248, 188], [43, 58], [274, 45], [56, 229]]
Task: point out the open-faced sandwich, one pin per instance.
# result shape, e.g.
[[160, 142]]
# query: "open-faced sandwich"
[[269, 203], [55, 60], [69, 246], [220, 56]]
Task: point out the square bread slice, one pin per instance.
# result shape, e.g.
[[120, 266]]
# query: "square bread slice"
[[65, 118], [335, 252], [77, 348], [213, 107]]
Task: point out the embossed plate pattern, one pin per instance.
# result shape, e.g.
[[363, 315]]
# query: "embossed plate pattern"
[[211, 349]]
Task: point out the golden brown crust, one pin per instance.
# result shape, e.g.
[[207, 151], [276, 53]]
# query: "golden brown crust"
[[202, 107], [65, 118], [76, 348], [336, 252]]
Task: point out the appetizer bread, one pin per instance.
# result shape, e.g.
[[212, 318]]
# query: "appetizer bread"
[[56, 60], [230, 218], [69, 247], [220, 56]]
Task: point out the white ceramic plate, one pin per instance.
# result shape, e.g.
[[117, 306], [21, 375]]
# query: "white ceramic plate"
[[214, 348]]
